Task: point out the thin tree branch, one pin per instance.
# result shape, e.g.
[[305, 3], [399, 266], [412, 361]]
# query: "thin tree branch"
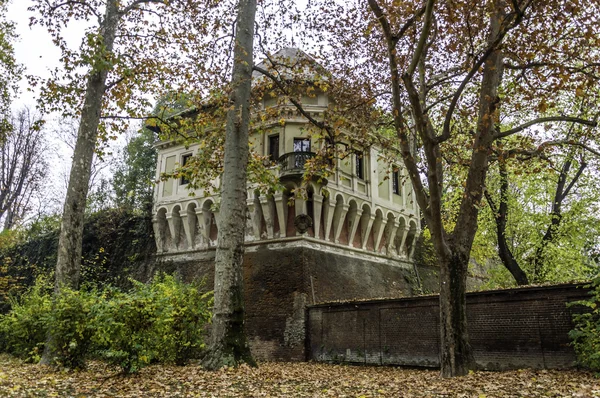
[[422, 39], [136, 3], [548, 119], [75, 2], [408, 24], [582, 167]]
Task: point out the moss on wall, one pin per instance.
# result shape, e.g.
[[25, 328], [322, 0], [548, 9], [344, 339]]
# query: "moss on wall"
[[115, 243]]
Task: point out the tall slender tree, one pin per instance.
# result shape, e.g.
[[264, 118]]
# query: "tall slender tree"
[[10, 70], [132, 48], [228, 343]]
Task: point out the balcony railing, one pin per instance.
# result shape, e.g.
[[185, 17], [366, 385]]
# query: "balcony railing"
[[292, 163]]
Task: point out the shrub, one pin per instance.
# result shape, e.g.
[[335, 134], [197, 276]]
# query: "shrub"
[[163, 321], [72, 331], [182, 318], [24, 329], [586, 335]]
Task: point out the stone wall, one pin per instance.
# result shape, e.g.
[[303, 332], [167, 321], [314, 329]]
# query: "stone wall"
[[513, 328], [282, 278]]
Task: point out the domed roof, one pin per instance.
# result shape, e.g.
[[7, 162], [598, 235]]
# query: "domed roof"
[[290, 63]]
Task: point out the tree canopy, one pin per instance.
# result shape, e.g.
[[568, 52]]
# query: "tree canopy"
[[459, 77]]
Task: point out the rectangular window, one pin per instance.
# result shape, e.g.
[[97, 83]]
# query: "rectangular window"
[[360, 165], [169, 167], [184, 160], [301, 145], [274, 147], [396, 182]]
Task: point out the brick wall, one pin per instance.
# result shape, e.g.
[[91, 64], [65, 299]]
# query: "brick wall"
[[281, 279], [513, 328]]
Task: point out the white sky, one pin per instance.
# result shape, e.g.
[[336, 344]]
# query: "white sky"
[[35, 50]]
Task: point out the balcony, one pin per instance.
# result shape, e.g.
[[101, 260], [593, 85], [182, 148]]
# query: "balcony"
[[292, 164]]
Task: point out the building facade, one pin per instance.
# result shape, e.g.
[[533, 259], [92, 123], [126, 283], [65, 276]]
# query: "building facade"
[[349, 235]]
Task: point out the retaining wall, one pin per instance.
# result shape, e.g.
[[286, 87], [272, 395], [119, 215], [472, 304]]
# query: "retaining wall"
[[514, 328]]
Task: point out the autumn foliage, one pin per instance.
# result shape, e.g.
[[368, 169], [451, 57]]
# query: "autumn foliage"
[[290, 380]]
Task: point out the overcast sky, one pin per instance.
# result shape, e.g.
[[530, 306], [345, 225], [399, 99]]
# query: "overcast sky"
[[34, 48]]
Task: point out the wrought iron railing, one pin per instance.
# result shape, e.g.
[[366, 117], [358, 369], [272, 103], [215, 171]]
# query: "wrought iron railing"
[[293, 162]]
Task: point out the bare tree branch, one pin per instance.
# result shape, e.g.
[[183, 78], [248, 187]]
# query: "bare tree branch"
[[422, 39], [548, 119], [137, 3], [74, 2]]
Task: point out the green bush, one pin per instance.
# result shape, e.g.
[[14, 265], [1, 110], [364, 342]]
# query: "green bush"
[[163, 321], [24, 329], [586, 335], [184, 313], [123, 329], [72, 331]]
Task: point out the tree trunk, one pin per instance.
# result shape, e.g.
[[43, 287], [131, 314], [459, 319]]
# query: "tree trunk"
[[500, 217], [9, 220], [68, 262], [456, 357], [562, 190], [228, 343], [508, 259]]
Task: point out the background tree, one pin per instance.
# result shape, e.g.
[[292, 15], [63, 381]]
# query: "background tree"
[[133, 180], [23, 166], [452, 74], [10, 70], [544, 216], [65, 131], [129, 52]]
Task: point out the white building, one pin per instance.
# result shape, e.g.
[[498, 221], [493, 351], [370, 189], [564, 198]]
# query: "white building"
[[363, 206]]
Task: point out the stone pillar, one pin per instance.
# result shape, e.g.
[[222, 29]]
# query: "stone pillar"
[[318, 208], [413, 246], [174, 222], [353, 226], [339, 222], [268, 213], [200, 217], [401, 249], [379, 228], [189, 233], [366, 231], [255, 218], [158, 235], [282, 212], [328, 212], [390, 238]]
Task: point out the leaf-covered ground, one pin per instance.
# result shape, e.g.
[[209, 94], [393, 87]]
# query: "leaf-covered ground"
[[288, 380]]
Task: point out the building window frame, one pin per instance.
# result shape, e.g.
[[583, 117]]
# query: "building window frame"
[[396, 188], [359, 165], [273, 147], [302, 141], [184, 159]]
